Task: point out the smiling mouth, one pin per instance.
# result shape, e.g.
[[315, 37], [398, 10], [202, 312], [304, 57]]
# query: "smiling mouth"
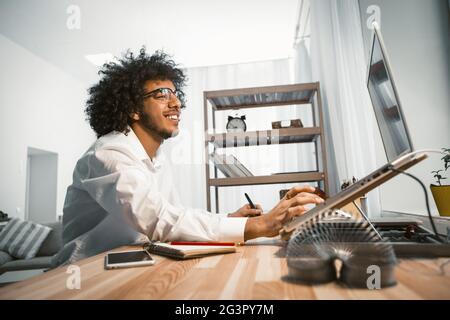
[[173, 118]]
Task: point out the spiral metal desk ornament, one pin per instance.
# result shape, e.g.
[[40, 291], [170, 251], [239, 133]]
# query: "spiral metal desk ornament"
[[314, 248]]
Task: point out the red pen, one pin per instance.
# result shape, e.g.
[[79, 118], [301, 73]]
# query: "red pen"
[[193, 243]]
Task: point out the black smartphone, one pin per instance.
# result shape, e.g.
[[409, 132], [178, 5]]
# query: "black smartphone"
[[128, 259]]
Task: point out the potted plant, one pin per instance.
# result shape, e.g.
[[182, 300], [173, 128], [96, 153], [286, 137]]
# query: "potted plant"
[[441, 193]]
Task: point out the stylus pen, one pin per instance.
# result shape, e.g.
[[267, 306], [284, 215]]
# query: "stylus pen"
[[250, 201]]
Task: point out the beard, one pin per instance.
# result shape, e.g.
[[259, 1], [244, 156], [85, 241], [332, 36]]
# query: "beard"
[[152, 126]]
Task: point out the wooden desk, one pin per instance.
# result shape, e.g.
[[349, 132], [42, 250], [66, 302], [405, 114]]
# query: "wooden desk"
[[254, 272]]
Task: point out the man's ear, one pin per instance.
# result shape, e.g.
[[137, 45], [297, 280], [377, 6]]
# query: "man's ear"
[[135, 116]]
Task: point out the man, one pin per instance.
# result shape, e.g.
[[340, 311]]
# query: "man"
[[121, 191]]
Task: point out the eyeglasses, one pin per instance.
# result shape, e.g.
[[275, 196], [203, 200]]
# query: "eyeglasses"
[[164, 94]]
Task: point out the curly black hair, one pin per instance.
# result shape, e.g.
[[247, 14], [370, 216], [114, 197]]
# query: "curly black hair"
[[119, 93]]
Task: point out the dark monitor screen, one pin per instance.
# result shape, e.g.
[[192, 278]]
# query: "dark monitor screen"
[[386, 104]]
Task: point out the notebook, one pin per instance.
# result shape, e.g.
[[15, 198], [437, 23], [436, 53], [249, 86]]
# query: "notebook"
[[187, 251]]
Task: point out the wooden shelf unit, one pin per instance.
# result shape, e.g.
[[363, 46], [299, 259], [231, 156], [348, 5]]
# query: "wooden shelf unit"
[[264, 137], [260, 97], [272, 179]]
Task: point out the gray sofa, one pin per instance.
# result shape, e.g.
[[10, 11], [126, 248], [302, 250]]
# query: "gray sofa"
[[43, 259]]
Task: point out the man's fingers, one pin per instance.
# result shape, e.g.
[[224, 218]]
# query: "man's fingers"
[[295, 212], [247, 206], [306, 194], [305, 198], [295, 190], [254, 212]]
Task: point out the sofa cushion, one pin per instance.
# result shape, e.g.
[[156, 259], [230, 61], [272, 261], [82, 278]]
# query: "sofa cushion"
[[4, 257], [22, 239], [53, 243], [30, 264]]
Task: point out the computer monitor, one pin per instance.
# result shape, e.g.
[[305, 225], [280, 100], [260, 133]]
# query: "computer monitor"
[[396, 140], [385, 101]]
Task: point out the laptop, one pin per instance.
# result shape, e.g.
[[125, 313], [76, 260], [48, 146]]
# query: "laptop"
[[394, 133]]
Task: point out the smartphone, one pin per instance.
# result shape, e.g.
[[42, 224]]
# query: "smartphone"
[[128, 259]]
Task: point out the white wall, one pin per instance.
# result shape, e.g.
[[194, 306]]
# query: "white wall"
[[417, 38], [40, 107]]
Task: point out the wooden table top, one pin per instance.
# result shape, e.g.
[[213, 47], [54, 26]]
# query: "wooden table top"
[[254, 272]]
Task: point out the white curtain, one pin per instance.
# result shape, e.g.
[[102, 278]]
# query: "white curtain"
[[338, 62], [186, 152], [302, 73]]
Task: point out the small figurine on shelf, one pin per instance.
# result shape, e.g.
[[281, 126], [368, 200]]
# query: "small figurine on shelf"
[[346, 183]]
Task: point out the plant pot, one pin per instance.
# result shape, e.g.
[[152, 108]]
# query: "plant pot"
[[441, 195]]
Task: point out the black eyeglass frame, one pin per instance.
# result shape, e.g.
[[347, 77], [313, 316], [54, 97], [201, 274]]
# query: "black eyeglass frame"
[[177, 93]]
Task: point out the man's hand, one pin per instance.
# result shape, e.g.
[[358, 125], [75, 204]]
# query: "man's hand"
[[292, 205], [247, 211]]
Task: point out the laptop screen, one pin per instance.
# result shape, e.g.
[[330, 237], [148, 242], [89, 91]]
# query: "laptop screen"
[[386, 104]]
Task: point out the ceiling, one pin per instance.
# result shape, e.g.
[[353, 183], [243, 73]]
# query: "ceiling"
[[195, 32]]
